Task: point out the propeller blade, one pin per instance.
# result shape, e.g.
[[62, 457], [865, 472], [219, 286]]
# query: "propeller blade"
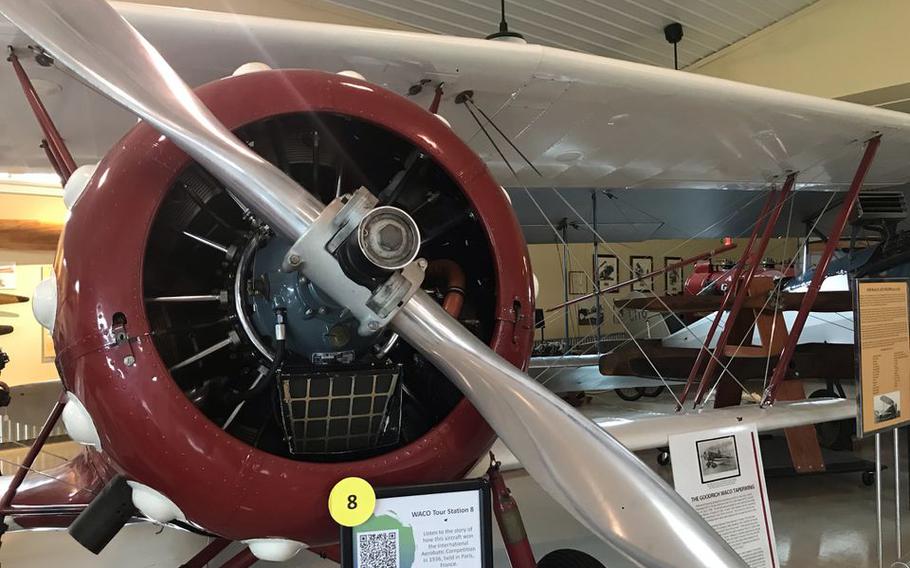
[[12, 299], [600, 482], [6, 329], [97, 44], [28, 235]]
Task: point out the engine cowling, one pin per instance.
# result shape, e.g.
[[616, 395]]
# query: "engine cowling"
[[152, 226]]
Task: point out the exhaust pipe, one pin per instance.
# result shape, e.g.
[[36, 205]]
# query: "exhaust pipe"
[[100, 522]]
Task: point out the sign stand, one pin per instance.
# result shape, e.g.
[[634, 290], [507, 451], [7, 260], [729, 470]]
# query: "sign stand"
[[882, 330], [897, 492]]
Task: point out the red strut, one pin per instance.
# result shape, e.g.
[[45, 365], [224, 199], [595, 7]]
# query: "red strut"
[[55, 145], [737, 271], [207, 554], [508, 517], [783, 364], [742, 288], [32, 454]]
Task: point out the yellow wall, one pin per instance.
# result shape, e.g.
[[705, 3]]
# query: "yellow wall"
[[24, 344], [833, 48], [546, 261]]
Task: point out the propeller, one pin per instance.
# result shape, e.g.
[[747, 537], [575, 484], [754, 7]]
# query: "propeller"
[[12, 299], [6, 329], [28, 235], [585, 469]]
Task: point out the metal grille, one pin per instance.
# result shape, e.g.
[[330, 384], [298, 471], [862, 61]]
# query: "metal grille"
[[341, 411], [875, 206]]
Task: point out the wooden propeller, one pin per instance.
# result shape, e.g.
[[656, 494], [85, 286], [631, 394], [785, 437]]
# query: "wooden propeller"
[[12, 299], [28, 235]]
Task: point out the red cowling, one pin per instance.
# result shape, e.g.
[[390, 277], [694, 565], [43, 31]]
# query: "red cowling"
[[147, 426]]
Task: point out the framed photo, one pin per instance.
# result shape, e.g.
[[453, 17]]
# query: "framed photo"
[[578, 282], [48, 353], [642, 265], [718, 458], [591, 316], [607, 272], [673, 279]]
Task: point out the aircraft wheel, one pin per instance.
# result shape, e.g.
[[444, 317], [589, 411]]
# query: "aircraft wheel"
[[654, 392], [834, 435], [568, 558], [630, 395], [663, 458], [868, 478]]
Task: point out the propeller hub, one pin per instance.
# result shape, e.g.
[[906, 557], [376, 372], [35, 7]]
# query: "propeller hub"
[[388, 238]]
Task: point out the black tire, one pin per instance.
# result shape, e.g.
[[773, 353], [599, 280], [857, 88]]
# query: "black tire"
[[838, 435], [568, 558], [630, 395], [868, 478], [654, 392], [663, 458]]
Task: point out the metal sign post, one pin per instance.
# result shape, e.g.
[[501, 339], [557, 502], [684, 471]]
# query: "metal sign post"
[[897, 492]]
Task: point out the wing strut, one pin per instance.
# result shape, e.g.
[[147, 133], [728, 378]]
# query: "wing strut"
[[742, 287], [6, 502], [783, 364], [704, 351], [54, 146]]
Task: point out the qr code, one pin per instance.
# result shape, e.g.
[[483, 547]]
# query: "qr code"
[[377, 549]]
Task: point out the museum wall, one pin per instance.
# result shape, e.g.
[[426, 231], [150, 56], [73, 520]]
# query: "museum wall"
[[811, 51], [26, 345], [547, 262]]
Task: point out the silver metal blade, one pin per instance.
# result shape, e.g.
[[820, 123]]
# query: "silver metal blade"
[[90, 38], [605, 486], [599, 481]]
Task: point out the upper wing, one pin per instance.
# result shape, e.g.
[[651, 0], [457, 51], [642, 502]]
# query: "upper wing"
[[582, 120]]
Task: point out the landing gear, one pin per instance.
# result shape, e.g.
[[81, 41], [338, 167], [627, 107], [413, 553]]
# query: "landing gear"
[[568, 558], [630, 395], [868, 478], [636, 393], [838, 435]]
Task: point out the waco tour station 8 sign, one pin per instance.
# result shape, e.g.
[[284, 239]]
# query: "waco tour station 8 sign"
[[882, 332]]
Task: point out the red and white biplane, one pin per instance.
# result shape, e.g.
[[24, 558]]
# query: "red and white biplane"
[[297, 273]]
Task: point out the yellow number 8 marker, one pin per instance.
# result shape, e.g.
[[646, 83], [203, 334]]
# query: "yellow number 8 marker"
[[352, 501]]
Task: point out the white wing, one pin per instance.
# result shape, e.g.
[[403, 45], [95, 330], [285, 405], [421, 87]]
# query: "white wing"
[[582, 120]]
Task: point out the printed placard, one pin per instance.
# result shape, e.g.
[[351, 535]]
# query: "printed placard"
[[432, 526], [719, 472], [882, 330]]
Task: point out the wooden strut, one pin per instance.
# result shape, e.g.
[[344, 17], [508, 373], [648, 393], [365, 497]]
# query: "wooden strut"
[[742, 288], [728, 295], [728, 245], [54, 146], [783, 364]]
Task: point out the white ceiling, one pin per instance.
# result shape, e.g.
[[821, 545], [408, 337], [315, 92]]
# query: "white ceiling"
[[622, 29]]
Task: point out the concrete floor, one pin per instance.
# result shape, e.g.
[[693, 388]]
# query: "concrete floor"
[[826, 521]]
